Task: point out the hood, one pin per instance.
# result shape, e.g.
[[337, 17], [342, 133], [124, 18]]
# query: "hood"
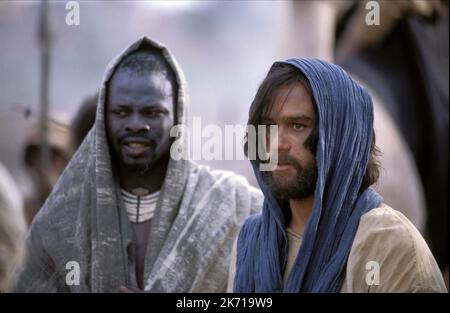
[[345, 117], [141, 44], [345, 121], [175, 180]]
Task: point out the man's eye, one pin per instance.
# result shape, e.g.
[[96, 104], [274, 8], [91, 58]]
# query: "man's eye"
[[297, 126], [153, 113], [120, 112]]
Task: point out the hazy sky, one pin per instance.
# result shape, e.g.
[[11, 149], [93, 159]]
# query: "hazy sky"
[[224, 48]]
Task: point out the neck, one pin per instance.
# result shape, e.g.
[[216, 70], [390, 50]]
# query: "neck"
[[151, 180], [301, 210]]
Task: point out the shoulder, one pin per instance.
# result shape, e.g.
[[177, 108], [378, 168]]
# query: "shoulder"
[[229, 182], [75, 182], [222, 176], [388, 244], [61, 212], [384, 222], [387, 229]]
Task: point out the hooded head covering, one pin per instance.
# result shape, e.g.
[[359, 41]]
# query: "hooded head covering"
[[196, 219], [345, 117]]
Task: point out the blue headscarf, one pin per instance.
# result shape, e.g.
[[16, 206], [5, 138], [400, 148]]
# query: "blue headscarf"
[[345, 114]]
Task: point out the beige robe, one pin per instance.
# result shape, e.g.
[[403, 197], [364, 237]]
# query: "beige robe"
[[388, 255]]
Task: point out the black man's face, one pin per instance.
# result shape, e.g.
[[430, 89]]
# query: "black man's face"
[[139, 116]]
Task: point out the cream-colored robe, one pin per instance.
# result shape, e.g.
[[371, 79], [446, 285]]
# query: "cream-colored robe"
[[387, 237]]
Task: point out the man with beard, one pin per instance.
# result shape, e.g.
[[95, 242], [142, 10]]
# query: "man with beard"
[[322, 227], [124, 212]]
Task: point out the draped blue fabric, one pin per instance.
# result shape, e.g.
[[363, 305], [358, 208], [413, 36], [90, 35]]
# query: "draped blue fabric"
[[345, 117]]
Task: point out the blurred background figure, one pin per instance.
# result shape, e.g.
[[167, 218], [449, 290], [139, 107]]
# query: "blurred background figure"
[[41, 181], [84, 120], [63, 138], [12, 230], [403, 62]]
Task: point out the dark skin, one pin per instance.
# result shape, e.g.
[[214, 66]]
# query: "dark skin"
[[139, 116]]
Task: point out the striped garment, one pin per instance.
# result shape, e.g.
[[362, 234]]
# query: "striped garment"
[[139, 208]]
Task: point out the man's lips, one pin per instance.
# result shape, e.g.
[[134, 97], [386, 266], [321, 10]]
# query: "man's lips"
[[283, 166], [135, 147]]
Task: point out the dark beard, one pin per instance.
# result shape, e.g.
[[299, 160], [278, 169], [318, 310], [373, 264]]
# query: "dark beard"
[[299, 187]]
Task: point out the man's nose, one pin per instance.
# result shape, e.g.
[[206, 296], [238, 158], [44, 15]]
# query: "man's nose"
[[137, 125], [283, 143]]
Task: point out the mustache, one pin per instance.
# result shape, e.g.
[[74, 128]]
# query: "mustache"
[[286, 158], [138, 138]]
